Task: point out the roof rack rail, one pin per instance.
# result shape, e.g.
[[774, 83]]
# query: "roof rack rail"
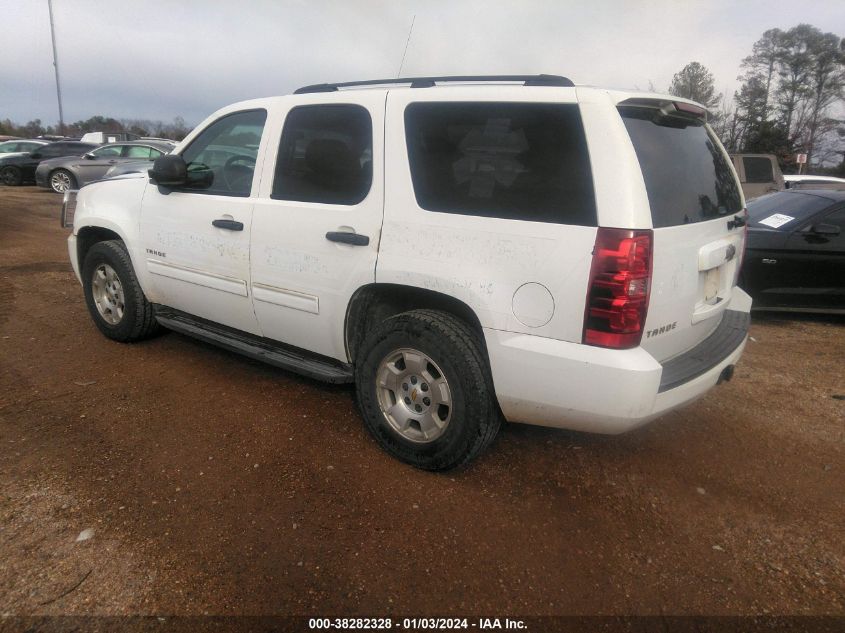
[[428, 82]]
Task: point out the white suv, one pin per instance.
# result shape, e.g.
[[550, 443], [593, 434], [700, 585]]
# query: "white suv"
[[466, 250]]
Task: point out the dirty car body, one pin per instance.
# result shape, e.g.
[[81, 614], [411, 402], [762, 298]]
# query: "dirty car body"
[[580, 245]]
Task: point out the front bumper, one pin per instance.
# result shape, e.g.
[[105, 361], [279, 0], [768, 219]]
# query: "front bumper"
[[41, 177], [572, 386], [74, 256]]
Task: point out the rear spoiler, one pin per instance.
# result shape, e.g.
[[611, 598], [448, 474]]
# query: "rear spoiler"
[[668, 112]]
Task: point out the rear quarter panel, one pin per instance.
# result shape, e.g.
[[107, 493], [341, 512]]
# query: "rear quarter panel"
[[478, 260]]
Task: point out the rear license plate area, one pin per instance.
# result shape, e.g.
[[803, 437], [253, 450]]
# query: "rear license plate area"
[[711, 283]]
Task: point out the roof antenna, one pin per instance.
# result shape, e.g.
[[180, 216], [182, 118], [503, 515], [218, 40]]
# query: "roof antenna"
[[408, 41]]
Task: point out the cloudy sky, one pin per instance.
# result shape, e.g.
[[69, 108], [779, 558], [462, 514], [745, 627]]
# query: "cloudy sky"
[[157, 59]]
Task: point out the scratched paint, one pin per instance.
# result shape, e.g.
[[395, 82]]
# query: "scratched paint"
[[289, 261], [202, 245], [479, 248]]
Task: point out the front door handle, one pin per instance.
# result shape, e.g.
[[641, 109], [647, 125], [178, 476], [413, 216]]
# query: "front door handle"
[[355, 239], [229, 225]]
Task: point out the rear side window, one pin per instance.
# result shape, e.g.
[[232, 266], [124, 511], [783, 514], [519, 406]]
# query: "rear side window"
[[758, 169], [139, 151], [325, 155], [686, 175], [517, 161]]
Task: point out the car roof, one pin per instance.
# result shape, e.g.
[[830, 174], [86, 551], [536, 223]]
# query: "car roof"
[[806, 177], [308, 94], [831, 194], [26, 140], [72, 143], [162, 145]]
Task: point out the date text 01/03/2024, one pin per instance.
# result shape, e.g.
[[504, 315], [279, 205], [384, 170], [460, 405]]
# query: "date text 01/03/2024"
[[414, 624]]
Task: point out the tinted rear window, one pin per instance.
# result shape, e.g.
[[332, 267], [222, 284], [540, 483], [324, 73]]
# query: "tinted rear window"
[[518, 161], [758, 169], [798, 206], [325, 155], [686, 175]]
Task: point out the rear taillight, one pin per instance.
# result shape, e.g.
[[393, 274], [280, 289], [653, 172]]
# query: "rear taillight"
[[620, 280]]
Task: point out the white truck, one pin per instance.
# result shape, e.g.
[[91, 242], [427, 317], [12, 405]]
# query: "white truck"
[[466, 250]]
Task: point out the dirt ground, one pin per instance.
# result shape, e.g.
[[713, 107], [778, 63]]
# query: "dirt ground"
[[214, 484]]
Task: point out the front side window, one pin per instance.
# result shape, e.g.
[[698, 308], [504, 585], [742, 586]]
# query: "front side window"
[[107, 151], [837, 218], [758, 169], [221, 160], [518, 161], [59, 149], [325, 155]]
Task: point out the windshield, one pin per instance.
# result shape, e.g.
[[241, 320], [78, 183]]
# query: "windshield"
[[687, 177], [784, 210]]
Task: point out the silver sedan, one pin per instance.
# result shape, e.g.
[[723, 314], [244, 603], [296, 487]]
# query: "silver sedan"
[[72, 172]]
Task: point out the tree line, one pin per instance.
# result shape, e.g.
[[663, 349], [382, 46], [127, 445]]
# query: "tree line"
[[176, 129], [790, 101]]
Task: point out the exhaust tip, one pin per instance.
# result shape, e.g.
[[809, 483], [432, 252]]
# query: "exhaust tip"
[[726, 375]]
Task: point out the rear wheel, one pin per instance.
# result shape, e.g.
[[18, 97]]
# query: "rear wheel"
[[425, 391], [113, 296], [11, 176], [62, 180]]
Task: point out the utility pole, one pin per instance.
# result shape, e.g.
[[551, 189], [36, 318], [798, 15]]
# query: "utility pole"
[[56, 67]]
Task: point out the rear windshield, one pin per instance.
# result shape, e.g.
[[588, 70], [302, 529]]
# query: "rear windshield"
[[785, 210], [758, 169], [686, 175]]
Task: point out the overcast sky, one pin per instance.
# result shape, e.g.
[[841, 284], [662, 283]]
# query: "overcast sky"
[[156, 59]]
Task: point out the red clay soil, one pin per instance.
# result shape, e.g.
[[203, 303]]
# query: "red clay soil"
[[214, 484]]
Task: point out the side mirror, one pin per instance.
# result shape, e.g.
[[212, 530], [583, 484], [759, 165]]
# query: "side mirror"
[[169, 171], [830, 230], [88, 156]]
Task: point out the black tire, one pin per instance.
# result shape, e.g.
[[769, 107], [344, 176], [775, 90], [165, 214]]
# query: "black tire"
[[72, 184], [458, 351], [138, 321], [11, 176]]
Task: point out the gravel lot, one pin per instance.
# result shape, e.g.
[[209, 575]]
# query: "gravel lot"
[[214, 484]]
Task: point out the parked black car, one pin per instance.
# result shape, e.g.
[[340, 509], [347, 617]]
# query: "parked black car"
[[20, 168], [795, 255]]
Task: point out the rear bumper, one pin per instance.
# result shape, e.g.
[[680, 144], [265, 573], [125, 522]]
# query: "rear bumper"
[[568, 385]]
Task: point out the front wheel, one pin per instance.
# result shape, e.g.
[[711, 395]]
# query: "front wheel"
[[113, 295], [62, 180], [425, 391]]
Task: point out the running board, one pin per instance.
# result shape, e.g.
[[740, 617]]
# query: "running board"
[[262, 349]]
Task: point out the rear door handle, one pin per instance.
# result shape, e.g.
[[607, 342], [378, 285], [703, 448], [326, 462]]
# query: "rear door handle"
[[229, 225], [355, 239]]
